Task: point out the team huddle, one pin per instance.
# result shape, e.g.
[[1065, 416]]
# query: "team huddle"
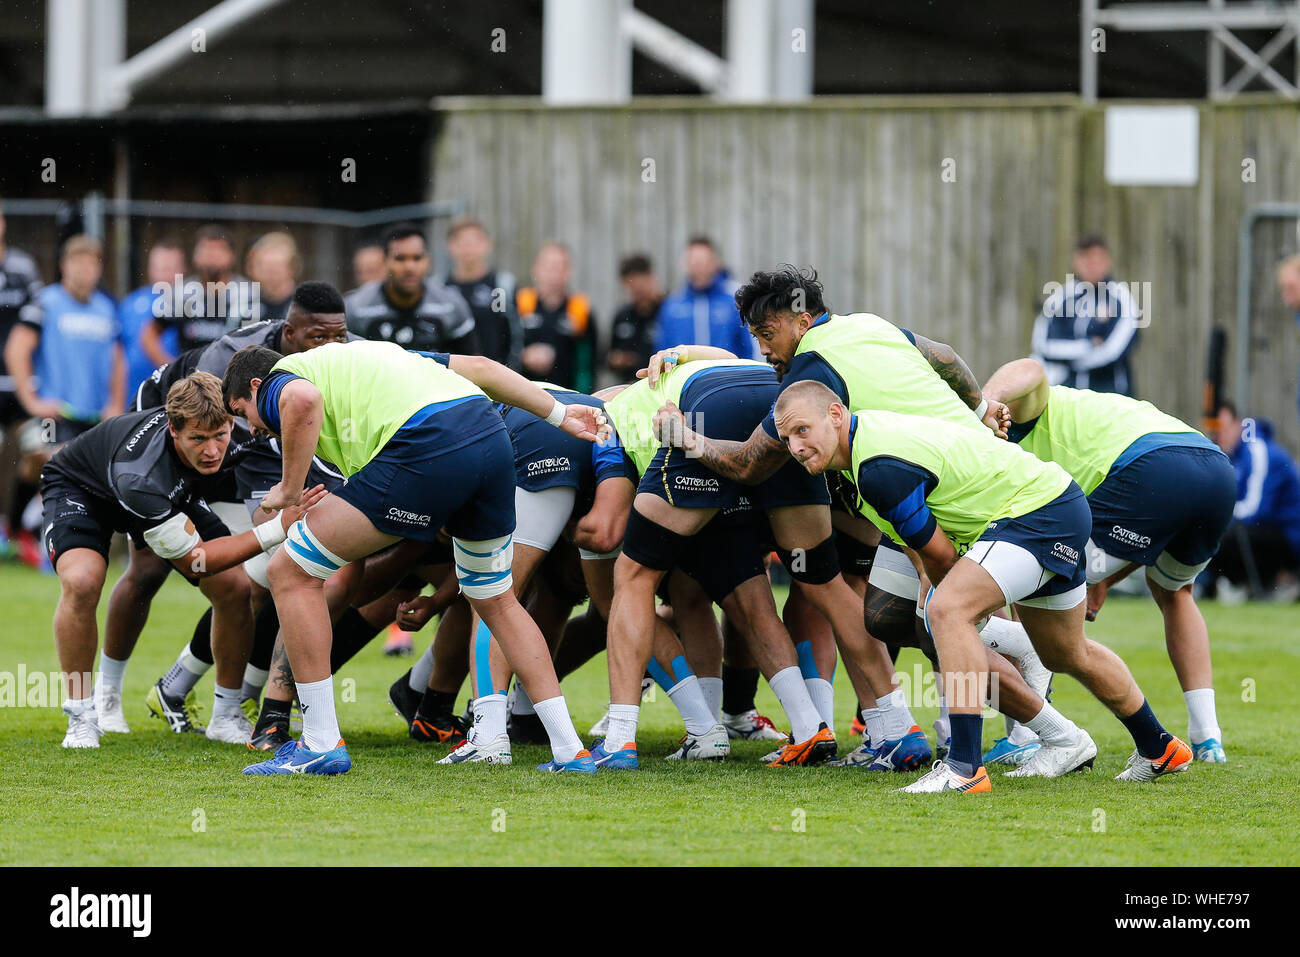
[[314, 486]]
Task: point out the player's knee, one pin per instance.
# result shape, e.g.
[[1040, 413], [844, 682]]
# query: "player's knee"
[[81, 586], [483, 568], [230, 587], [947, 609], [303, 554], [145, 572]]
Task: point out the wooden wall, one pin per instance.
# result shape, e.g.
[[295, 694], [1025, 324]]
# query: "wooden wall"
[[856, 187]]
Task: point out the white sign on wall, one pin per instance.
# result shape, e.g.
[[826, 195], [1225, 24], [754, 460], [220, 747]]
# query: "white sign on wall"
[[1152, 145]]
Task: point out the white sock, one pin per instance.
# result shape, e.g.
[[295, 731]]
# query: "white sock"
[[184, 674], [1019, 734], [689, 699], [712, 690], [789, 688], [823, 699], [524, 704], [1008, 638], [320, 725], [420, 671], [111, 671], [1053, 727], [225, 701], [898, 716], [621, 727], [875, 723], [565, 743], [78, 705], [943, 727], [1202, 722], [489, 717]]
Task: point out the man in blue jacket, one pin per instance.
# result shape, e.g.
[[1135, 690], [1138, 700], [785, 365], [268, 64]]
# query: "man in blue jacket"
[[1266, 519], [704, 311]]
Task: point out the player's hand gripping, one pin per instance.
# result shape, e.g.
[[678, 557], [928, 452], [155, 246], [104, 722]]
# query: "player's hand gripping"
[[661, 363], [586, 422], [997, 417]]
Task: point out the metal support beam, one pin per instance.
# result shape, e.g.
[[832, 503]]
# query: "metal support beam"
[[157, 58], [586, 56], [678, 53], [1216, 18]]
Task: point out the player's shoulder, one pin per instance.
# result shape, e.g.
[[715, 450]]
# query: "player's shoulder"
[[19, 263]]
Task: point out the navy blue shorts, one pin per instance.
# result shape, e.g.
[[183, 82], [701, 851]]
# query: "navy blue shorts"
[[726, 553], [1056, 535], [547, 457], [728, 403], [451, 467], [262, 466], [1176, 499]]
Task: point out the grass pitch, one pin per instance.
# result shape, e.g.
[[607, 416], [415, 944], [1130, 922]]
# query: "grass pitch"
[[153, 797]]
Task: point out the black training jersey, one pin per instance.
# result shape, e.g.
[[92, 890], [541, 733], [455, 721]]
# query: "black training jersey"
[[203, 312], [491, 300], [129, 461], [19, 285], [440, 322]]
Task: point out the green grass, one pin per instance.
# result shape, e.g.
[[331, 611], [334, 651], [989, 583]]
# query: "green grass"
[[138, 798]]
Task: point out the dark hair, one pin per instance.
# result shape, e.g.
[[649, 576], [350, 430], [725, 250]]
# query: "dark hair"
[[315, 296], [249, 363], [769, 293], [637, 264], [168, 242], [214, 233], [402, 231], [1090, 241], [699, 239], [1226, 404]]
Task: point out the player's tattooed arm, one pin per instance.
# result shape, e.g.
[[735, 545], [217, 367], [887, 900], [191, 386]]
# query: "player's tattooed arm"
[[953, 370], [750, 462]]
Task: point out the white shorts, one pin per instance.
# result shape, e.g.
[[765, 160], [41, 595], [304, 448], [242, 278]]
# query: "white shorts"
[[1018, 574], [540, 517], [893, 572], [1168, 572]]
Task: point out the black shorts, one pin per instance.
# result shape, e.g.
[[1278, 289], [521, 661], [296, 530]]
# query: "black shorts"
[[74, 519]]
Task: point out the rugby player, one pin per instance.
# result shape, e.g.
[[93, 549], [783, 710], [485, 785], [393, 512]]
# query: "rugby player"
[[993, 526], [142, 473], [676, 499], [407, 307], [1128, 457], [315, 317], [556, 476], [423, 448], [869, 363]]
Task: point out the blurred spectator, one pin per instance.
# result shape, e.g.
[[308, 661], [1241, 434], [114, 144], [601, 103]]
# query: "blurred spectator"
[[559, 326], [273, 262], [66, 357], [407, 308], [635, 324], [20, 286], [1265, 532], [368, 264], [1087, 330], [215, 300], [704, 311], [490, 293], [136, 310], [1288, 284]]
